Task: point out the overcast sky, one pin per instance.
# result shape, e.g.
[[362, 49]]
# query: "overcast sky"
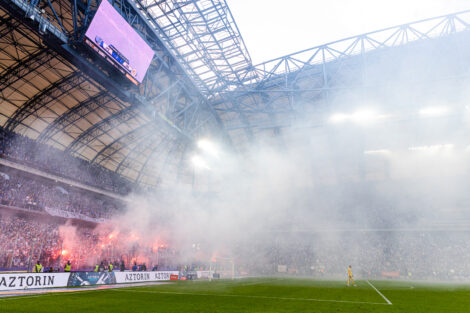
[[273, 28]]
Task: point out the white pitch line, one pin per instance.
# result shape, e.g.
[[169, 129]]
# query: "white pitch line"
[[385, 298], [20, 297], [75, 292], [248, 296], [257, 282]]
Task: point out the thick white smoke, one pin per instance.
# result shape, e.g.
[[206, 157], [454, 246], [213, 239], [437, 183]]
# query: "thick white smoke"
[[377, 179]]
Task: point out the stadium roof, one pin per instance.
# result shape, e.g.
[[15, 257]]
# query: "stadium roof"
[[47, 97], [204, 38], [201, 81]]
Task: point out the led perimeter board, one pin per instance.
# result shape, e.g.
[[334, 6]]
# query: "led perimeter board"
[[115, 40]]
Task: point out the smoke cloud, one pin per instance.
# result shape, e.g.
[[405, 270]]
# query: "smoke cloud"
[[376, 179]]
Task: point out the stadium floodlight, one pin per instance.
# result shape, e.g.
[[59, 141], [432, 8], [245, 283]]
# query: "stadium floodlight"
[[432, 148], [208, 147], [358, 117], [364, 116], [434, 111], [377, 152], [199, 162], [338, 118]]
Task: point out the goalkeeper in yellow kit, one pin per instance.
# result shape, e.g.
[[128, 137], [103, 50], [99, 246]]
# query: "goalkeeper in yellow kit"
[[350, 277]]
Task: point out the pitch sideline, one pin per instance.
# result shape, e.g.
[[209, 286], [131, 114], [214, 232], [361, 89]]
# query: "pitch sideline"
[[248, 296], [74, 292]]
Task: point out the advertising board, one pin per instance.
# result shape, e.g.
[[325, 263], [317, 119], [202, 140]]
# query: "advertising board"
[[33, 280], [91, 278], [132, 277]]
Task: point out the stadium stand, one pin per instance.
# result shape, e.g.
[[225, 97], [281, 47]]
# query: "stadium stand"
[[31, 193], [33, 207], [26, 237], [27, 151], [380, 254]]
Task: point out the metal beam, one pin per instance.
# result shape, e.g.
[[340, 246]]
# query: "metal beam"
[[23, 8], [117, 140], [18, 70], [102, 127], [74, 114], [44, 97], [150, 156], [136, 149]]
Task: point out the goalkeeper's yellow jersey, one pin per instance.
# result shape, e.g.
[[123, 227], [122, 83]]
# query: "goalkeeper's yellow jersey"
[[349, 272]]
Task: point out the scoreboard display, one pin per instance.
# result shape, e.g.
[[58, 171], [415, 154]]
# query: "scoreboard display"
[[117, 42]]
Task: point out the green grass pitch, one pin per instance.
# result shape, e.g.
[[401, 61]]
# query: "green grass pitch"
[[255, 295]]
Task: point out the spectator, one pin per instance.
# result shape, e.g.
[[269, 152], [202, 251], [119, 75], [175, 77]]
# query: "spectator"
[[42, 195], [25, 150]]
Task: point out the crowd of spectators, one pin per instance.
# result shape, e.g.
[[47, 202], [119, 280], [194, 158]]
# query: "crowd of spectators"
[[438, 255], [25, 239], [410, 254], [29, 152], [32, 194]]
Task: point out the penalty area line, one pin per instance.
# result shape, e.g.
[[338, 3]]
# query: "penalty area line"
[[248, 296], [385, 298]]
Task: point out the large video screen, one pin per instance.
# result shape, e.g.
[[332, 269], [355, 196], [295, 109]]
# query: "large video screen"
[[113, 38]]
